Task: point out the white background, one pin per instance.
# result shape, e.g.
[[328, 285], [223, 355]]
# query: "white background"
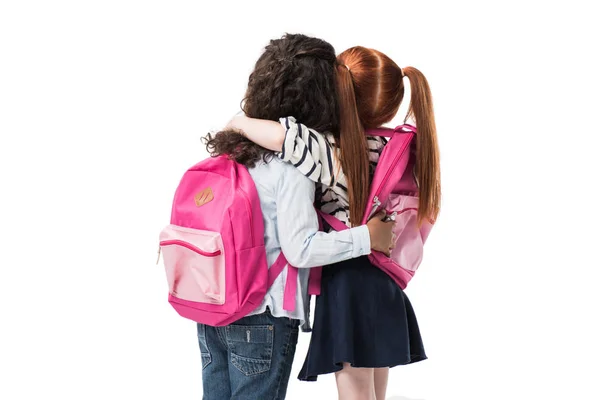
[[103, 103]]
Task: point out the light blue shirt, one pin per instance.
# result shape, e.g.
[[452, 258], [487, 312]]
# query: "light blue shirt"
[[291, 225]]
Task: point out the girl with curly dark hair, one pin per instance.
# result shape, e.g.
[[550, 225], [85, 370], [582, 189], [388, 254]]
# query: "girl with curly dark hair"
[[364, 322], [252, 358]]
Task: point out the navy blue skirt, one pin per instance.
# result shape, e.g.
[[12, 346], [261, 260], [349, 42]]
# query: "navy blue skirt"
[[363, 318]]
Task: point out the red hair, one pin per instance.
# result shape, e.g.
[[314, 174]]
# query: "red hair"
[[370, 90]]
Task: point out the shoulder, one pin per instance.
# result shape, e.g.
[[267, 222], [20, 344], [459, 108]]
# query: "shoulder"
[[329, 137], [277, 178], [275, 172], [290, 175]]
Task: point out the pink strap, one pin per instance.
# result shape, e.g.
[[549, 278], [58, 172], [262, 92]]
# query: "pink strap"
[[388, 132], [314, 281], [276, 268], [291, 286], [385, 132], [406, 127], [314, 277], [333, 221], [291, 283]]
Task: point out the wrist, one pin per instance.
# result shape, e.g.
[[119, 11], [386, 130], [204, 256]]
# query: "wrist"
[[237, 122], [361, 241], [371, 231]]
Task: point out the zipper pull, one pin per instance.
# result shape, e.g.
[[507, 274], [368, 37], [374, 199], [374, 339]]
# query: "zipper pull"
[[376, 204], [390, 217], [158, 255]]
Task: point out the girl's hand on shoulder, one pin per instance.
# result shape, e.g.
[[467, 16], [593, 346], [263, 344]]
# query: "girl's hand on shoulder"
[[265, 133], [236, 123]]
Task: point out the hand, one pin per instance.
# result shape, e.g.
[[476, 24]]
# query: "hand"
[[382, 236], [235, 123], [265, 133]]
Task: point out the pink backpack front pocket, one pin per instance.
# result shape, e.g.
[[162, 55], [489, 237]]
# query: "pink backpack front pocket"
[[410, 238], [195, 264]]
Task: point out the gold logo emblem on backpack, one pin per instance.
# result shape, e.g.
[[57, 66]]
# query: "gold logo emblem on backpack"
[[203, 197]]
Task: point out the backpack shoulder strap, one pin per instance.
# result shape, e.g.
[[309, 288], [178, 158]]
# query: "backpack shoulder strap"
[[333, 221], [388, 132], [405, 128], [291, 282], [314, 277], [383, 132]]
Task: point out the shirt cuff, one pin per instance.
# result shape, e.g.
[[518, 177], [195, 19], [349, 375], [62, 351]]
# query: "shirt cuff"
[[289, 142], [361, 240]]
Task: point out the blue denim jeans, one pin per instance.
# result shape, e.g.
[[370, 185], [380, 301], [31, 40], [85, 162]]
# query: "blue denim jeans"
[[250, 359]]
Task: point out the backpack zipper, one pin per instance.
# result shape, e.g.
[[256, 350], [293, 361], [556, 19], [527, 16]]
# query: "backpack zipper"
[[408, 209], [191, 247], [249, 209], [391, 217], [376, 204], [389, 171]]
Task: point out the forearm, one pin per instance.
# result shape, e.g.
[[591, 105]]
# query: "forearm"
[[265, 133], [327, 248]]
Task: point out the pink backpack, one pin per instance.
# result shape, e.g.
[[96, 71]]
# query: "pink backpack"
[[213, 249], [394, 190]]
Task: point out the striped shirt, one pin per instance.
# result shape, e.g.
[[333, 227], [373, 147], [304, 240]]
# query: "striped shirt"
[[316, 156]]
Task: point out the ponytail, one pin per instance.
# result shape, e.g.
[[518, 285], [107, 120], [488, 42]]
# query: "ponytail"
[[354, 150], [428, 158]]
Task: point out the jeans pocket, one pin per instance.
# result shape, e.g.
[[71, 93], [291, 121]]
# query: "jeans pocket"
[[251, 348], [204, 351]]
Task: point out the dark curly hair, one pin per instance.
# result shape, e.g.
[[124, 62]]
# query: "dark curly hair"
[[295, 76]]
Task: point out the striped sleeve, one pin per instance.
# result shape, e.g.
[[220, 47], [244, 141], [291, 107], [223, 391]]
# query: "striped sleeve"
[[309, 151], [375, 144]]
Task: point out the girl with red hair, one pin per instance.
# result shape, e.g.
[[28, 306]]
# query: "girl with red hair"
[[364, 323]]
